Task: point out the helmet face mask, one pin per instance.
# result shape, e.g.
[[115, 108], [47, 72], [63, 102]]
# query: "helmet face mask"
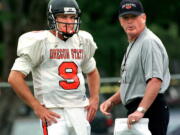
[[66, 8], [67, 24]]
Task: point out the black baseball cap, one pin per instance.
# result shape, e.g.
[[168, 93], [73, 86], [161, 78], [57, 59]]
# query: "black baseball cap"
[[134, 7]]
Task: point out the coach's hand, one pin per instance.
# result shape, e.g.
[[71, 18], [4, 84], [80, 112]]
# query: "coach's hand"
[[106, 107], [92, 108], [134, 117], [47, 117]]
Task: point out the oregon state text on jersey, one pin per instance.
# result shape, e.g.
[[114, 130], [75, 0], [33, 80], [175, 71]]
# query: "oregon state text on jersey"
[[65, 53], [57, 66]]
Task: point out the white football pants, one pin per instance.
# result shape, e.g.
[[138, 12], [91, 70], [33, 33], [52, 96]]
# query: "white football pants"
[[72, 122]]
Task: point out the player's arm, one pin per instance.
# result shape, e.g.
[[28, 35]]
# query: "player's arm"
[[16, 80], [93, 79], [107, 105]]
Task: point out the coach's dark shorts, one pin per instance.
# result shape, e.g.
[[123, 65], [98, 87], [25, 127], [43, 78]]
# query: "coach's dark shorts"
[[158, 114]]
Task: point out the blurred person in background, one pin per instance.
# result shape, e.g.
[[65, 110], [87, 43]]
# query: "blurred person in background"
[[57, 59], [144, 72]]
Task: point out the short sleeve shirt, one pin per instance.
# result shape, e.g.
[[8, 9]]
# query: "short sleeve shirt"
[[57, 66], [147, 59]]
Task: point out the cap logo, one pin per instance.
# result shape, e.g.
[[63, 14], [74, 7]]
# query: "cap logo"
[[69, 10], [128, 5]]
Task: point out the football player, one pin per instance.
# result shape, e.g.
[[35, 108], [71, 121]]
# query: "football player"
[[57, 59]]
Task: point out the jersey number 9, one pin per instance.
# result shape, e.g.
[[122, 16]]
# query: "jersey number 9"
[[68, 71]]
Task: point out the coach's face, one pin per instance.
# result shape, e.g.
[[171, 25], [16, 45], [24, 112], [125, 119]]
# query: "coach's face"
[[133, 25]]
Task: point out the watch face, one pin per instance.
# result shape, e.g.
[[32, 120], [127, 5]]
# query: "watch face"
[[141, 109]]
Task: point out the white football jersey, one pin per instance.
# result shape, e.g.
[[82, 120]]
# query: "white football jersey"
[[57, 66]]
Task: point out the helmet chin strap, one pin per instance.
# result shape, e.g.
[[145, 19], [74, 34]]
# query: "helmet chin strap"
[[65, 35]]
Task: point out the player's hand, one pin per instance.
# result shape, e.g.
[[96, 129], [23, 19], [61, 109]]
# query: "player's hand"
[[134, 117], [47, 117], [92, 108], [106, 107]]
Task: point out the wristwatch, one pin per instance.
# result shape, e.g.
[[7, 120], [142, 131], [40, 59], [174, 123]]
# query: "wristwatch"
[[141, 109]]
